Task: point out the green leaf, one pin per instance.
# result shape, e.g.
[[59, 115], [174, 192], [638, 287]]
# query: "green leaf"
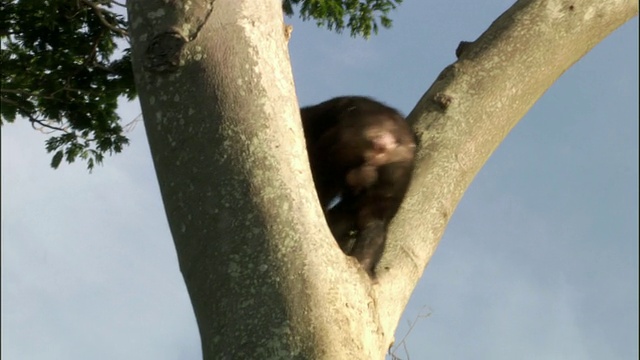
[[57, 158]]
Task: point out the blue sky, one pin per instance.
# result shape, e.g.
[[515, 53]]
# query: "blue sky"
[[540, 260]]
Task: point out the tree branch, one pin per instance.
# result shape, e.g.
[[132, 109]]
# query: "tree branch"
[[468, 111], [100, 12], [32, 119]]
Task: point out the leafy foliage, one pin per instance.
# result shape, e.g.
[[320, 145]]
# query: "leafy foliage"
[[59, 70], [65, 64], [360, 15]]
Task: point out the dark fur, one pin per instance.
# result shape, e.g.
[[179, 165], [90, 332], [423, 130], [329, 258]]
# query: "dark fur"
[[362, 151]]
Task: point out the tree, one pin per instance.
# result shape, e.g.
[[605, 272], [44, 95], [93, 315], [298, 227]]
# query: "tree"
[[238, 152]]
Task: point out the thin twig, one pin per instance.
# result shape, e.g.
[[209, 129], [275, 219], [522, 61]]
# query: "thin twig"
[[132, 124], [32, 119], [22, 92], [411, 326]]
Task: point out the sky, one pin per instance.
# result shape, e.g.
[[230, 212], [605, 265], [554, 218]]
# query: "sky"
[[539, 261]]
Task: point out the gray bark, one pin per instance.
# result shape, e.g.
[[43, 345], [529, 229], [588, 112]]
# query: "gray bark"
[[265, 277]]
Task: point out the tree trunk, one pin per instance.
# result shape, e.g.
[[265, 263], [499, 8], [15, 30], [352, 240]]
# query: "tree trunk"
[[265, 277]]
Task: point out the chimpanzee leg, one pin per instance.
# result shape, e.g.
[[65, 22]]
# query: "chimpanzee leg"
[[369, 244], [342, 221]]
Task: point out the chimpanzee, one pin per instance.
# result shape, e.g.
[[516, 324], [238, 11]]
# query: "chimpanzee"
[[362, 152]]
